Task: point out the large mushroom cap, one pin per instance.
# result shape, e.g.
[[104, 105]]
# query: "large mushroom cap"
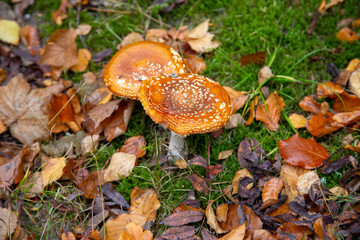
[[186, 104], [138, 61]]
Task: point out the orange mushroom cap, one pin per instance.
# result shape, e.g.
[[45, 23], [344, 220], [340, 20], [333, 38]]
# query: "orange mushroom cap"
[[186, 104], [138, 61]]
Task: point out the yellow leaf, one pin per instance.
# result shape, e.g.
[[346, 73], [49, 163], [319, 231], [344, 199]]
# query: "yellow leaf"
[[84, 57], [298, 121], [10, 32]]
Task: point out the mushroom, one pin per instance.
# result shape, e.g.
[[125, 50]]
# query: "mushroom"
[[138, 61], [185, 104]]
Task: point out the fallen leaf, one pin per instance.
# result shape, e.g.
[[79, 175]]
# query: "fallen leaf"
[[109, 191], [8, 223], [184, 232], [270, 114], [211, 220], [10, 32], [214, 170], [145, 202], [252, 111], [134, 145], [261, 234], [306, 153], [271, 192], [235, 234], [305, 181], [61, 14], [101, 55], [194, 64], [264, 74], [60, 113], [253, 58], [135, 232], [225, 154], [200, 40], [325, 5], [235, 120], [339, 191], [121, 165], [298, 121], [205, 234], [347, 103], [181, 218], [157, 35], [336, 165], [52, 169], [199, 183], [84, 57], [221, 212], [253, 221], [181, 163], [329, 90], [25, 112], [234, 218], [115, 227], [61, 49], [198, 161], [293, 231], [290, 175], [310, 105], [83, 29], [237, 98], [66, 235], [2, 127], [31, 37], [239, 175], [348, 35], [353, 65], [130, 38], [354, 82], [322, 124]]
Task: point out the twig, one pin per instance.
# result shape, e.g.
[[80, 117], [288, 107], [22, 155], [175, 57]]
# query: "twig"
[[109, 10], [153, 19], [313, 22]]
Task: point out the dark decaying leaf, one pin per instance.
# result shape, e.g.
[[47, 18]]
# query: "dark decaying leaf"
[[181, 218], [255, 58], [306, 153], [214, 170], [336, 165], [243, 152], [198, 160], [114, 195], [206, 235], [176, 233], [101, 55], [199, 183]]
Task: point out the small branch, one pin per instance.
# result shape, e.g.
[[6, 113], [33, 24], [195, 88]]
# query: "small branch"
[[176, 147], [313, 22]]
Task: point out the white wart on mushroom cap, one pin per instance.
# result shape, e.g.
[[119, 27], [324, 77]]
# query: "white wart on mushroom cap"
[[138, 61], [186, 104]]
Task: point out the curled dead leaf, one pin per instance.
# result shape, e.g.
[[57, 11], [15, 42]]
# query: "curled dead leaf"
[[348, 35], [271, 192], [270, 114]]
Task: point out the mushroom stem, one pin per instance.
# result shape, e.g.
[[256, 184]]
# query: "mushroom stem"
[[176, 147]]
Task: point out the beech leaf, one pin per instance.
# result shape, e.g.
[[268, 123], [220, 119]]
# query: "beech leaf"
[[271, 115]]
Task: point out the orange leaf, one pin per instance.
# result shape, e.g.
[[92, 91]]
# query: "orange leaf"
[[134, 145], [348, 35], [271, 192], [60, 50], [59, 15], [347, 103], [290, 175], [84, 57], [30, 35], [306, 153], [195, 64], [253, 58], [325, 6], [321, 125], [252, 111], [289, 228], [237, 98], [328, 90], [310, 105], [271, 115]]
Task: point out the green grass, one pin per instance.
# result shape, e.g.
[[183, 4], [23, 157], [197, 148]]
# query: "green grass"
[[242, 27]]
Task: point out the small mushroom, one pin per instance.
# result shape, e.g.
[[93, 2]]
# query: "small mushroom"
[[138, 61], [185, 104]]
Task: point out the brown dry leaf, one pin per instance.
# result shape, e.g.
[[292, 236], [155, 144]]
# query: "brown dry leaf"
[[354, 82], [134, 145], [310, 105], [181, 163], [232, 218], [298, 121], [66, 235], [352, 148], [235, 120], [199, 183], [297, 232], [270, 193], [325, 5], [225, 154], [130, 38], [135, 232], [144, 202], [31, 37], [52, 169], [3, 75], [2, 127], [61, 50], [322, 124], [60, 113], [89, 183], [261, 234], [237, 98], [347, 103], [121, 165], [290, 175], [252, 111], [235, 234], [89, 144], [116, 226], [221, 212], [25, 112], [83, 29], [353, 65], [211, 220], [194, 63], [200, 40], [61, 14], [318, 227], [157, 35], [253, 58], [237, 178], [348, 35], [271, 115], [306, 153], [181, 218], [264, 74], [10, 32], [339, 191], [183, 232], [329, 90], [84, 57], [306, 180], [8, 223], [346, 118]]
